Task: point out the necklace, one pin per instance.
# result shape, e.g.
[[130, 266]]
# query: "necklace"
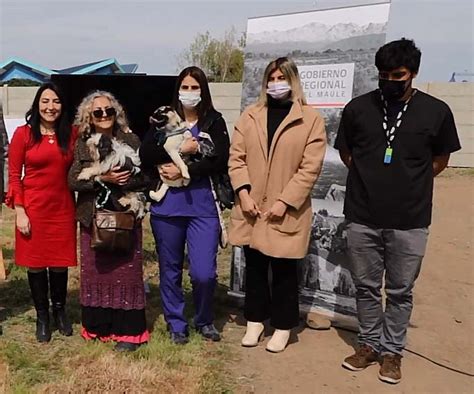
[[48, 133], [390, 133]]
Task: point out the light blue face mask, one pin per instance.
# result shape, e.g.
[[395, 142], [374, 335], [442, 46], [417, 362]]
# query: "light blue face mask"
[[278, 90], [189, 99]]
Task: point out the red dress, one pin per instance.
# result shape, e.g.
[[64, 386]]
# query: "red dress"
[[48, 202]]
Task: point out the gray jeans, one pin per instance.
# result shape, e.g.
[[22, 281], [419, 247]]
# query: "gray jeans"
[[398, 255]]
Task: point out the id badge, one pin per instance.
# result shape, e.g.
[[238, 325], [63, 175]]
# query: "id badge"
[[388, 156]]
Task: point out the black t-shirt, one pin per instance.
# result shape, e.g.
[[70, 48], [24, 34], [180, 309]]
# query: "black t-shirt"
[[396, 195]]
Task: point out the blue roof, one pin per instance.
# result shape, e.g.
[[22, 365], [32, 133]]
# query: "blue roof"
[[130, 68], [90, 68], [98, 65], [70, 70], [36, 67]]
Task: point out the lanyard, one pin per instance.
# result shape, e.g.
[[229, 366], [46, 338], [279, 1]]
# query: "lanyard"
[[390, 132]]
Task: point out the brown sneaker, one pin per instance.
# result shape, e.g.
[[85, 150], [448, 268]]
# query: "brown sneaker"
[[361, 359], [390, 370]]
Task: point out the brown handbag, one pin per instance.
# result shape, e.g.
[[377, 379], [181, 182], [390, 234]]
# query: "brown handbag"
[[112, 231]]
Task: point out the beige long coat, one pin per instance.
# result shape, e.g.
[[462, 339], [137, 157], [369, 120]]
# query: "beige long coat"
[[286, 172]]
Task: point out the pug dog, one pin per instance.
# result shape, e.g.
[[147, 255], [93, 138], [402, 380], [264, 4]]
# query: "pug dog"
[[171, 132]]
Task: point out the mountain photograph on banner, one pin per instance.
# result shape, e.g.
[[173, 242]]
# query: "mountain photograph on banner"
[[327, 37], [343, 36], [334, 50]]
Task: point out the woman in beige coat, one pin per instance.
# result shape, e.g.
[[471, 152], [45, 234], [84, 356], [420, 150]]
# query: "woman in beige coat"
[[276, 155]]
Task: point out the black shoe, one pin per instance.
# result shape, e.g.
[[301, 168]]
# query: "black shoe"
[[62, 322], [179, 338], [126, 347], [58, 286], [43, 332], [209, 332], [38, 282]]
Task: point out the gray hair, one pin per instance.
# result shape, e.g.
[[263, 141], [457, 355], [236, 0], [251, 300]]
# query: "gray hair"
[[84, 113]]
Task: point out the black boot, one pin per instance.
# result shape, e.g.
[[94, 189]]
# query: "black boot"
[[58, 286], [39, 291]]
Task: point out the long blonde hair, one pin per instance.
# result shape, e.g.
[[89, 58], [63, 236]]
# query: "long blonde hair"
[[290, 71], [84, 113]]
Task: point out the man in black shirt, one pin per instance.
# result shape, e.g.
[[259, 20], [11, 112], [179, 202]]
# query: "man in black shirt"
[[394, 140]]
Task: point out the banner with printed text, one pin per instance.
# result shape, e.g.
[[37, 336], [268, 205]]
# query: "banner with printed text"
[[334, 50]]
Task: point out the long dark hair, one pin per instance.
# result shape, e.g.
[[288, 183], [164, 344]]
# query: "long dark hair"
[[205, 106], [62, 125]]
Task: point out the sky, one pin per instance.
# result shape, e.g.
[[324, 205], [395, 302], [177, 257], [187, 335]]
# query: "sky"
[[153, 33]]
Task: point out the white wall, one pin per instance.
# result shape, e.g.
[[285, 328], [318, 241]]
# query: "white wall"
[[17, 100], [226, 98], [460, 97]]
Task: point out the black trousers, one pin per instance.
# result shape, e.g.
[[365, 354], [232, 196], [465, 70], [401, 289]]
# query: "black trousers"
[[280, 303]]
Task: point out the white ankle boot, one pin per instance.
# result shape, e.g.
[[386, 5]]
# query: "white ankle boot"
[[278, 341], [252, 334]]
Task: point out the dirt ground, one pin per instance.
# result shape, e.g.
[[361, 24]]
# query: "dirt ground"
[[441, 326]]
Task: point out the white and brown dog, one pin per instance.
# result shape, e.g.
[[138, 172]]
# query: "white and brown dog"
[[172, 131], [108, 153]]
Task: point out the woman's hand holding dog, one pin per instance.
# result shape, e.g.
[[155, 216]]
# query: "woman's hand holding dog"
[[22, 221], [116, 176], [170, 171], [189, 147]]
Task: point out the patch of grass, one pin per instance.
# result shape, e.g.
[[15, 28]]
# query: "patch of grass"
[[72, 365], [457, 171], [30, 368]]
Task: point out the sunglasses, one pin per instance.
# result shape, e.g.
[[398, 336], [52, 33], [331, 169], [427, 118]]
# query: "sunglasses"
[[99, 113]]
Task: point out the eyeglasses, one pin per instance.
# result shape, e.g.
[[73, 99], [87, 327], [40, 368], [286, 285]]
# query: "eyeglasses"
[[99, 113]]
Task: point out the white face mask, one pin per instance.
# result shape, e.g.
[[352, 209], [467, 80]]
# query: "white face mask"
[[278, 90], [189, 99]]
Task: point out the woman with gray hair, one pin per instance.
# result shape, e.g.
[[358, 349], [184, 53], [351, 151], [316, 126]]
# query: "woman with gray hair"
[[112, 290]]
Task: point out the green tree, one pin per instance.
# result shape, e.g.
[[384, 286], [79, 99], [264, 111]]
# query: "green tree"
[[20, 82], [221, 59]]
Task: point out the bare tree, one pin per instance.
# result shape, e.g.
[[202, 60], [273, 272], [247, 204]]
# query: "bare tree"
[[221, 59]]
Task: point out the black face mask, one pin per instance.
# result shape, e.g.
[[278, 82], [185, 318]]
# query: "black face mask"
[[393, 90]]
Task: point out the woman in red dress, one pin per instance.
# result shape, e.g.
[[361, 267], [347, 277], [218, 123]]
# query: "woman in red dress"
[[40, 155]]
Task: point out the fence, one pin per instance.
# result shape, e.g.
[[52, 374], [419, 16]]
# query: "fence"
[[226, 97]]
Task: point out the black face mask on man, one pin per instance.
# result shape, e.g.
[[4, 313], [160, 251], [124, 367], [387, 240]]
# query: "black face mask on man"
[[393, 90]]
